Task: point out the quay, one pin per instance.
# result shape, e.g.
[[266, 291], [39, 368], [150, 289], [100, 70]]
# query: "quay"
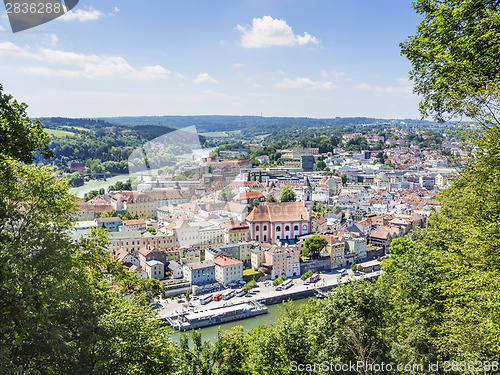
[[178, 312]]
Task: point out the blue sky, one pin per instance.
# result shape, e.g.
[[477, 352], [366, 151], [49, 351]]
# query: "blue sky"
[[316, 58]]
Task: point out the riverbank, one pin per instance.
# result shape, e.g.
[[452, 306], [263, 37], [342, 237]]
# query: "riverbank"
[[265, 293]]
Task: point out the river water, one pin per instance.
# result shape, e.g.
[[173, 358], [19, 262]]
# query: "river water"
[[210, 333], [145, 176]]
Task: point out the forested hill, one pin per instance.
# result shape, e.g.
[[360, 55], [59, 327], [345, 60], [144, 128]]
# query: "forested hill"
[[258, 124]]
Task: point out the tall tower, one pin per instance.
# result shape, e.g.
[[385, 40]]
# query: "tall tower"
[[307, 196]]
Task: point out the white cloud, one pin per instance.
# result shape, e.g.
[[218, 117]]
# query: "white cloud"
[[406, 88], [238, 65], [51, 40], [1, 28], [76, 65], [179, 75], [306, 39], [269, 32], [83, 15], [331, 74], [305, 83], [204, 78], [87, 15]]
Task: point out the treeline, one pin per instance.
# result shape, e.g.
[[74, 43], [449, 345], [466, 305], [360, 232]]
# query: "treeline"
[[252, 125]]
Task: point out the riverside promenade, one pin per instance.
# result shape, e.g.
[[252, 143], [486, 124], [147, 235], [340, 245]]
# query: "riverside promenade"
[[265, 292]]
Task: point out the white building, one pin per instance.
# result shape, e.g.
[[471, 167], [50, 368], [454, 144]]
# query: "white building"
[[155, 269], [228, 270]]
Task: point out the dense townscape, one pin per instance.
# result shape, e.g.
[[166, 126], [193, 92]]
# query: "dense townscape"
[[394, 225], [231, 218]]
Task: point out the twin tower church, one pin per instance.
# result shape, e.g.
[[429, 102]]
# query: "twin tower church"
[[282, 221]]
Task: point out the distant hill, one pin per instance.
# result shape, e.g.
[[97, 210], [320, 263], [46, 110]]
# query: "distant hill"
[[257, 124]]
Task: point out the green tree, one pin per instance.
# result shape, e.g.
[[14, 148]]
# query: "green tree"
[[20, 136], [287, 194], [270, 198], [226, 194], [455, 59], [306, 275], [63, 305], [320, 165], [344, 179], [314, 245]]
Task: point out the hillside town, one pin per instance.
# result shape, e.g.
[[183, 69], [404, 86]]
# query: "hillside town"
[[232, 222]]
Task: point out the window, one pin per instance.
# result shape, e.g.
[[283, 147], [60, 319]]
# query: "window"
[[278, 229], [257, 227], [265, 227], [296, 227], [287, 228]]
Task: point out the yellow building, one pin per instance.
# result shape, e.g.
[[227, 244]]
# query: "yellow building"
[[189, 255], [236, 232], [335, 249]]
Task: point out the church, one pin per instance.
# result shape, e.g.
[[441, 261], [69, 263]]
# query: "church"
[[277, 221]]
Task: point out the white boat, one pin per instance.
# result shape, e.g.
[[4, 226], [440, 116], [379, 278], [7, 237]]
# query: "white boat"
[[200, 319]]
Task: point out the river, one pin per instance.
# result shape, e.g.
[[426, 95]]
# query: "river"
[[210, 333], [97, 184]]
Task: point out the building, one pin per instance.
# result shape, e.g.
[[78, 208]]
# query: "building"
[[124, 256], [227, 269], [175, 269], [155, 269], [148, 253], [335, 248], [307, 163], [319, 225], [236, 232], [208, 234], [139, 225], [357, 246], [247, 197], [199, 273], [112, 224], [132, 241], [189, 255], [282, 261], [278, 220], [77, 166]]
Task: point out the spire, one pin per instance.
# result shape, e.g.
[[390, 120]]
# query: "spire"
[[307, 184]]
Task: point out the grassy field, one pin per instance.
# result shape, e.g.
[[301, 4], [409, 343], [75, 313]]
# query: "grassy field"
[[215, 135], [58, 133], [75, 127]]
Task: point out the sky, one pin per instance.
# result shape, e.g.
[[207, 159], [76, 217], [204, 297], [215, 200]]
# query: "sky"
[[292, 58]]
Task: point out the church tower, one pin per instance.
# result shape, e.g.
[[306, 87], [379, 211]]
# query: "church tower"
[[307, 196]]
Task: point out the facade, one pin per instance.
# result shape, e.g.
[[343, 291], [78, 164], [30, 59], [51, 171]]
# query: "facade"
[[148, 253], [236, 232], [155, 269], [199, 273], [227, 269], [188, 255], [124, 256], [208, 234], [282, 261], [335, 248], [358, 247], [139, 225], [175, 269], [112, 224], [278, 220], [307, 163], [132, 241]]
